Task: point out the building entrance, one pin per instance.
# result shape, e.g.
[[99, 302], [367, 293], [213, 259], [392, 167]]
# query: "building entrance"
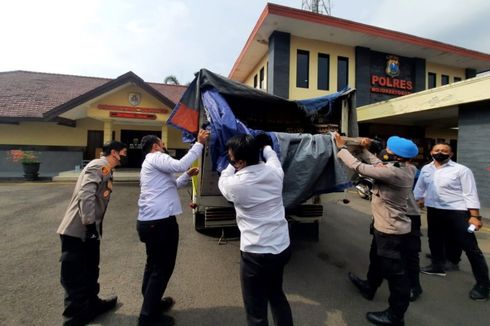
[[133, 139]]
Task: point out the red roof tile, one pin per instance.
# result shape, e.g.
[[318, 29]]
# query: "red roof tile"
[[25, 94]]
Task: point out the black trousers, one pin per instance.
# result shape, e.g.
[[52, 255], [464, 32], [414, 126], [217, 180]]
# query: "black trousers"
[[387, 260], [413, 248], [79, 276], [261, 277], [161, 238], [453, 224]]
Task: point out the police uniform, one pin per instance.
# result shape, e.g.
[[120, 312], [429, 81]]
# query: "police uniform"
[[391, 227], [79, 256]]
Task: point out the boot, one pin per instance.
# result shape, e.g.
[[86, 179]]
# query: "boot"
[[479, 293], [363, 286], [384, 318], [415, 293]]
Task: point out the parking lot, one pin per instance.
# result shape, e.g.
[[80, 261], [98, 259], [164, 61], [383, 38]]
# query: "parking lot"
[[205, 282]]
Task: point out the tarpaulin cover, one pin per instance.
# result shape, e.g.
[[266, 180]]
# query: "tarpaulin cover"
[[310, 166]]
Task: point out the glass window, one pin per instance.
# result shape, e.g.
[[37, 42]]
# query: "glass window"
[[255, 81], [432, 80], [342, 73], [302, 68], [323, 71], [457, 79], [444, 79], [261, 78]]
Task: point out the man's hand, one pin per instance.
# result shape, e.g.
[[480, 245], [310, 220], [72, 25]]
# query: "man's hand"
[[421, 203], [476, 222], [339, 141], [366, 142], [192, 172], [91, 233], [202, 136], [263, 140]]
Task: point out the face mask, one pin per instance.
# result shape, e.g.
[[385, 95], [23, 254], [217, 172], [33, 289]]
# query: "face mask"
[[123, 160], [440, 157]]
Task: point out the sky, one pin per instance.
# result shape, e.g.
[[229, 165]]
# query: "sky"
[[158, 38]]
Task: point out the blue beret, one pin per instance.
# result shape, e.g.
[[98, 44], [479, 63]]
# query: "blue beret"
[[402, 147]]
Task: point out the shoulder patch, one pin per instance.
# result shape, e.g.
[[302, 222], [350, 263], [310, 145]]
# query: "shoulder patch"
[[106, 170]]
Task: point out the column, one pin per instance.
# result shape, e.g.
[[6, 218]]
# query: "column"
[[107, 131], [165, 135]]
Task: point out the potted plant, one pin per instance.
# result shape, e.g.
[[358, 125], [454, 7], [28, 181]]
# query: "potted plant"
[[30, 162]]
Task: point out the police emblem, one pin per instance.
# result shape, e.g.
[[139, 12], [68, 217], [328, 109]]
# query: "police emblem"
[[392, 66], [105, 170]]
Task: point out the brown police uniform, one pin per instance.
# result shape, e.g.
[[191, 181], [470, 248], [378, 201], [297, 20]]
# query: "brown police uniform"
[[80, 256], [391, 225]]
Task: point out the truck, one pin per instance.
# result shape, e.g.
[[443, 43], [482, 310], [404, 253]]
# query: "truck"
[[226, 107]]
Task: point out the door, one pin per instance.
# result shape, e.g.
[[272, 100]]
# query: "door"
[[95, 140], [132, 138]]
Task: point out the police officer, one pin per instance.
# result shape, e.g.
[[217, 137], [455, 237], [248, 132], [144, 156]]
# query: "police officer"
[[391, 225], [80, 232]]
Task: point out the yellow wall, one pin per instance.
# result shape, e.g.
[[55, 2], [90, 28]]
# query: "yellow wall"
[[52, 134], [249, 81], [443, 70], [121, 98], [315, 47], [48, 133]]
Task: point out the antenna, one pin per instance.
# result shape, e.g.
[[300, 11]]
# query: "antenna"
[[318, 6]]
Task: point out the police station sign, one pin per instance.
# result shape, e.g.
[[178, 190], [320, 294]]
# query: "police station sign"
[[390, 75]]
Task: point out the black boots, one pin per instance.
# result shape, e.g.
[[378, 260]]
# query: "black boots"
[[363, 286], [415, 293], [384, 318], [479, 293]]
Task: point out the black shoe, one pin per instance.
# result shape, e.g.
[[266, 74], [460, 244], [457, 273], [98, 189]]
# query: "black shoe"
[[479, 293], [451, 267], [384, 318], [104, 305], [431, 270], [415, 293], [163, 320], [363, 286], [166, 304]]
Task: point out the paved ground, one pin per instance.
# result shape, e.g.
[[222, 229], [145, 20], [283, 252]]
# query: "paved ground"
[[205, 282]]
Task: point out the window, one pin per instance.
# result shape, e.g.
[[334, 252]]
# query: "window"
[[302, 68], [261, 78], [323, 71], [255, 81], [342, 73], [457, 79], [444, 79], [432, 80]]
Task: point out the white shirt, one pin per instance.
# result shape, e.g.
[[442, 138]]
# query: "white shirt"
[[256, 192], [452, 186], [159, 197]]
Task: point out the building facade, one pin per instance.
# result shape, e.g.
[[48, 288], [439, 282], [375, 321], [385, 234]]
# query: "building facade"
[[405, 85], [66, 119]]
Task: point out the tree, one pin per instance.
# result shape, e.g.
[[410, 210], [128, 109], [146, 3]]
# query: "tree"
[[171, 79]]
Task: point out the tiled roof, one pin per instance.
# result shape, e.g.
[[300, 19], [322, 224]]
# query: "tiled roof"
[[25, 94]]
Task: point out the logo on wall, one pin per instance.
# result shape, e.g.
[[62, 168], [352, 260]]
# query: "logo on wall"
[[134, 99], [392, 66]]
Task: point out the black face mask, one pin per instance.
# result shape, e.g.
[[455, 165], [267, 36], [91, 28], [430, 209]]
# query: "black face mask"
[[440, 157], [123, 161]]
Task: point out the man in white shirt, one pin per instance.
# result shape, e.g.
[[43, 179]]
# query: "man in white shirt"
[[448, 190], [255, 188], [157, 227]]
